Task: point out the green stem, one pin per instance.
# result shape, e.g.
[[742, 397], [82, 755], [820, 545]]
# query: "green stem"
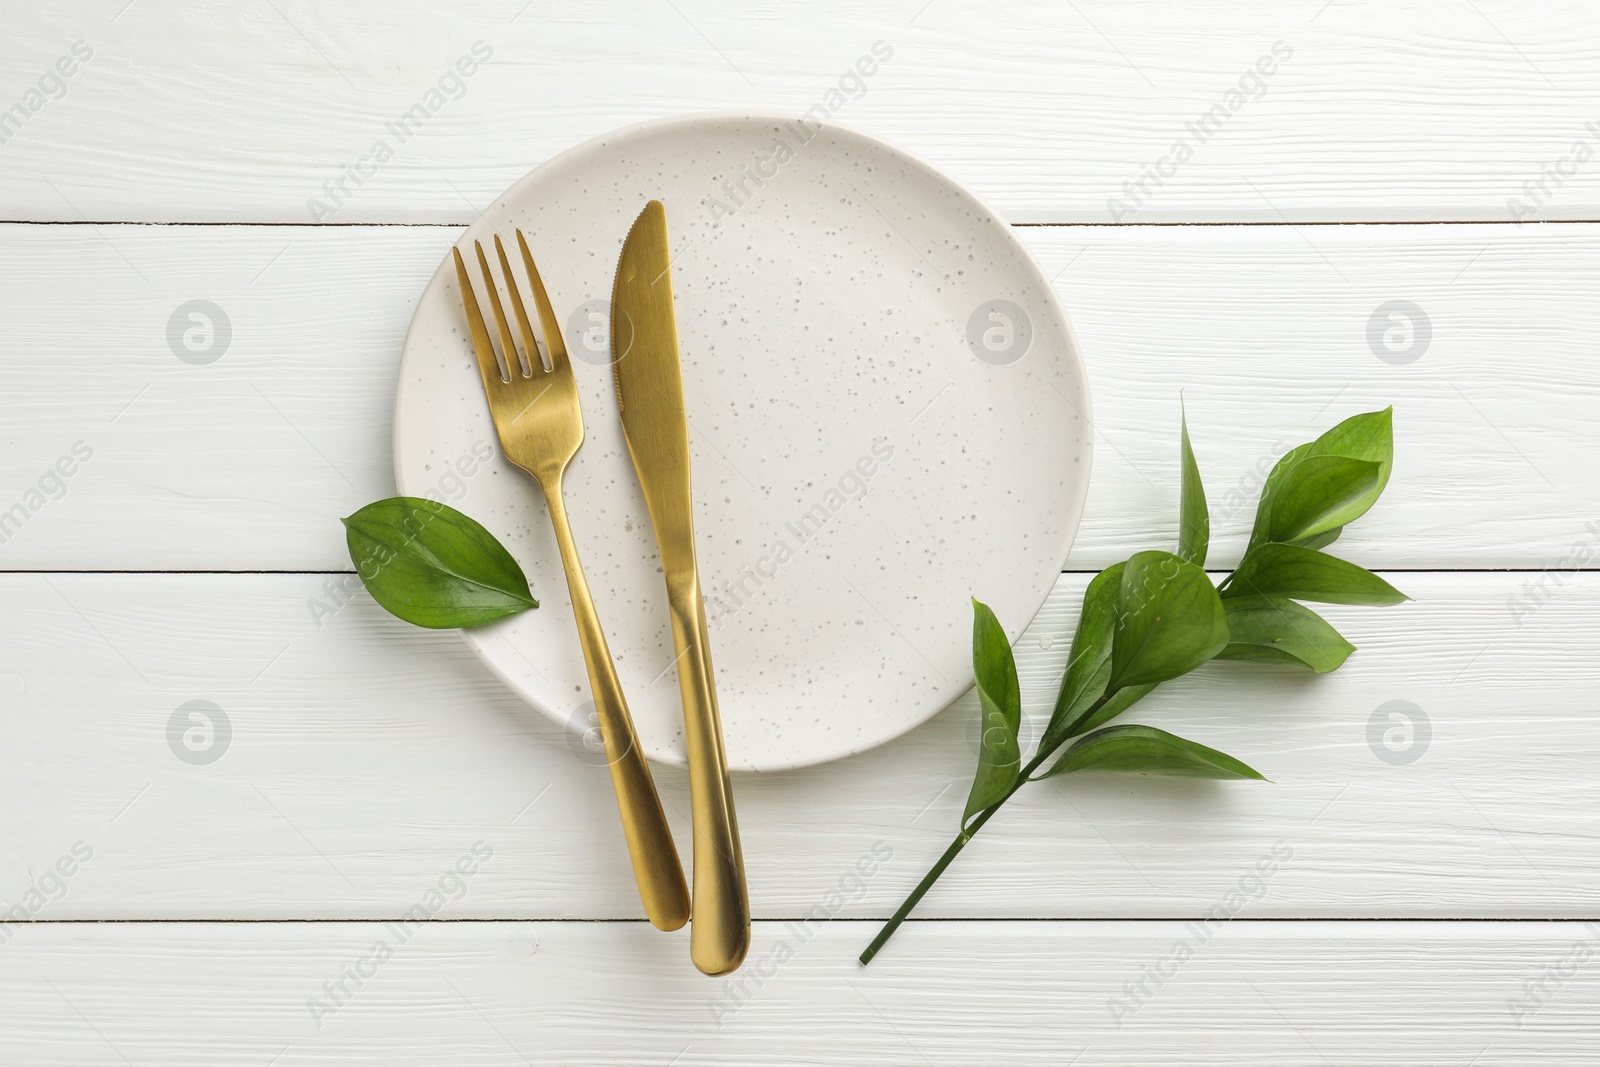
[[968, 831]]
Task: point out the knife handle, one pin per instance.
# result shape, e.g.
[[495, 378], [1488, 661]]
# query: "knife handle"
[[656, 866], [720, 934]]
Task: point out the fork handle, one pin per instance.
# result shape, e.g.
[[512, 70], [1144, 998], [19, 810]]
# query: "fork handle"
[[720, 936], [655, 858]]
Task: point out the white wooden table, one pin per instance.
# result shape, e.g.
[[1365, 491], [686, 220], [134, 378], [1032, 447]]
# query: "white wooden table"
[[1430, 907]]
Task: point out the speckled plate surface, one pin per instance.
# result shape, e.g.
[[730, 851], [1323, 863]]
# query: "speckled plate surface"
[[888, 415]]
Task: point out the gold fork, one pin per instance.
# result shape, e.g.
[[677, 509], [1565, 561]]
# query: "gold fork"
[[536, 414]]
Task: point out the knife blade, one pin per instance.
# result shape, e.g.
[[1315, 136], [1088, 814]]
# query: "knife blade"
[[649, 381]]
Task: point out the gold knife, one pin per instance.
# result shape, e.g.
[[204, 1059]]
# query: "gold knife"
[[644, 362]]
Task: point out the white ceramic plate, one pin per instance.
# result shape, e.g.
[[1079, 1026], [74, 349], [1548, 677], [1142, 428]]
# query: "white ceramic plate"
[[888, 415]]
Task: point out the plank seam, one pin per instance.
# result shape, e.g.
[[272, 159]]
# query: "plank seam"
[[1068, 570], [454, 225], [847, 919]]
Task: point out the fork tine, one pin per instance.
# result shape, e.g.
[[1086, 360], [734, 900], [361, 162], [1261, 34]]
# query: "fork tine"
[[480, 334], [553, 342], [508, 346], [531, 358]]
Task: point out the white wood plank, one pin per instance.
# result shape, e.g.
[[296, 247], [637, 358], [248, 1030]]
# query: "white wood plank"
[[227, 113], [245, 463], [366, 756], [949, 993]]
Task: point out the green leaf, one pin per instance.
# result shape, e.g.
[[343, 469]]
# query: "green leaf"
[[1306, 574], [1089, 665], [1000, 705], [1321, 540], [1272, 629], [1169, 621], [1270, 490], [1194, 521], [1147, 750], [1319, 495], [1120, 701], [433, 566], [1368, 437]]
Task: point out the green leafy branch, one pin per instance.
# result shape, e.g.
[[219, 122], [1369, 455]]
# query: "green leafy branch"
[[1157, 616]]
